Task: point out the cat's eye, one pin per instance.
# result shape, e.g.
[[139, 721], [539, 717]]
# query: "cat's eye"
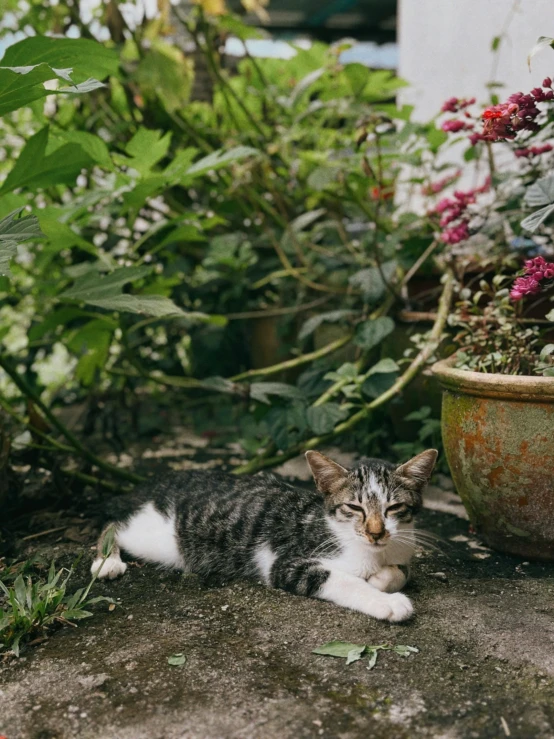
[[352, 507], [397, 508]]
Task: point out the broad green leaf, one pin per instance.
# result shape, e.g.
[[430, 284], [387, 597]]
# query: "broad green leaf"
[[147, 148], [14, 230], [93, 287], [532, 222], [220, 158], [358, 76], [91, 145], [383, 367], [36, 170], [378, 383], [261, 390], [330, 317], [176, 660], [167, 74], [91, 343], [323, 418], [21, 86], [355, 654], [85, 57], [372, 332], [338, 648], [370, 281]]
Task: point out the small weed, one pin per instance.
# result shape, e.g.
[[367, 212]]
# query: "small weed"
[[32, 605]]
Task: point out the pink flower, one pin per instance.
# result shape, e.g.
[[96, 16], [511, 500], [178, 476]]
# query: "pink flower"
[[453, 126], [536, 271], [518, 113], [533, 151], [453, 105], [454, 216]]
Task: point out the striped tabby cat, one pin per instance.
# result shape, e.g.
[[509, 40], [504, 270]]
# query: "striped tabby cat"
[[349, 542]]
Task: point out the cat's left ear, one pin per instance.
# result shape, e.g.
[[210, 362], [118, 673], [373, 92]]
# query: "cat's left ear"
[[419, 468], [328, 475]]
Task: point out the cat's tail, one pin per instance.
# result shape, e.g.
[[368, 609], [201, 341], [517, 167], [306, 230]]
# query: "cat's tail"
[[108, 562]]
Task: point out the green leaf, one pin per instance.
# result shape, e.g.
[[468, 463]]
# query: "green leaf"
[[339, 649], [372, 332], [383, 367], [76, 614], [355, 654], [85, 57], [220, 158], [330, 317], [21, 86], [92, 145], [93, 287], [147, 148], [147, 305], [495, 44], [370, 281], [358, 76], [33, 168], [304, 84], [261, 390], [532, 222], [404, 650], [378, 384], [14, 230], [436, 137], [176, 660], [373, 652], [323, 418], [542, 43], [92, 344]]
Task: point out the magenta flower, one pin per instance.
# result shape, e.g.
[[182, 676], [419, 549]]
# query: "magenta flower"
[[453, 126], [454, 105], [536, 272], [518, 113], [454, 215], [533, 151]]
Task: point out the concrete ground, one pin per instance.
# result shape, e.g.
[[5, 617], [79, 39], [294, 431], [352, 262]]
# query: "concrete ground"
[[484, 627]]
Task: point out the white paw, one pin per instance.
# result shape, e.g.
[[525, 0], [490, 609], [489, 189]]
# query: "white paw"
[[401, 608], [388, 580], [110, 568]]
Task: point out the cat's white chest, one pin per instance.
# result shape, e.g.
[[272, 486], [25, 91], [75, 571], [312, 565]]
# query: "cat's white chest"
[[356, 558]]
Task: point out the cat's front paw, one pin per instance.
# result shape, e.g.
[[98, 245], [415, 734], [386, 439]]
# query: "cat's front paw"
[[401, 608], [390, 579]]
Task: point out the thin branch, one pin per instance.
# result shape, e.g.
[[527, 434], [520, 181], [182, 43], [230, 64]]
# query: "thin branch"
[[29, 393], [410, 373], [296, 361]]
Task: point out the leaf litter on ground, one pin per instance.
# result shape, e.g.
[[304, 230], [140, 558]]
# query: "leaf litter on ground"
[[355, 652], [176, 660]]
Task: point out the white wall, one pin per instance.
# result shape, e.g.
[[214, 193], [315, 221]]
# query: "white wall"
[[445, 49]]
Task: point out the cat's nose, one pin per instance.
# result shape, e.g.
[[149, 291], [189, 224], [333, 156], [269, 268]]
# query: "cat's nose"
[[376, 535]]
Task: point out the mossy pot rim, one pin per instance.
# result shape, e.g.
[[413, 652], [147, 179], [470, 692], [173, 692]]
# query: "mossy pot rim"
[[525, 388]]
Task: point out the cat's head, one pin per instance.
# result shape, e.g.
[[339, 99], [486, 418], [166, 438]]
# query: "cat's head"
[[375, 499]]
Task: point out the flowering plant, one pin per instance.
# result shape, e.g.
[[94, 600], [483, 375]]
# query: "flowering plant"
[[486, 225]]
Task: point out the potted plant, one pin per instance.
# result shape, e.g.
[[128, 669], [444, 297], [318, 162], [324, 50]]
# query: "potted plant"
[[498, 388]]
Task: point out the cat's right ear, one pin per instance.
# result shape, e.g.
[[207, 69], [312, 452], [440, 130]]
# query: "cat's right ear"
[[328, 475]]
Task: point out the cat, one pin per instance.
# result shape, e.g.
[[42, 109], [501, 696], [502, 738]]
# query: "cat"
[[348, 542]]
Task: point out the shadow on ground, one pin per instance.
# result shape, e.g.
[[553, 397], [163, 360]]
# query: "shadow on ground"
[[484, 629]]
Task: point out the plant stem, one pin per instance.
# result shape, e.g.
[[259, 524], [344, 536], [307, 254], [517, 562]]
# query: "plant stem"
[[29, 393], [295, 362], [411, 372]]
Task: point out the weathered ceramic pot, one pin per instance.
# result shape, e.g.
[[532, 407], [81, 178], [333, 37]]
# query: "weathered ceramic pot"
[[498, 433]]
